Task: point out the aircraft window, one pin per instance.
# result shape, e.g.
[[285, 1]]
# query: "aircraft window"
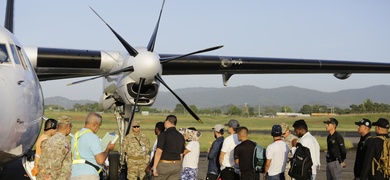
[[16, 58], [3, 54], [25, 57], [22, 57]]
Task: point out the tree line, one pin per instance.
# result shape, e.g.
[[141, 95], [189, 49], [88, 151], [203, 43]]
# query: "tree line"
[[367, 106]]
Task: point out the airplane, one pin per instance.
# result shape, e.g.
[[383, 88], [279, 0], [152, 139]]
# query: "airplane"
[[131, 78]]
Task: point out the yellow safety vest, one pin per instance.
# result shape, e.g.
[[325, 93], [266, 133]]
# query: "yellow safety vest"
[[78, 159]]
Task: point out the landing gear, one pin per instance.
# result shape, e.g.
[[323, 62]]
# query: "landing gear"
[[114, 167], [116, 159]]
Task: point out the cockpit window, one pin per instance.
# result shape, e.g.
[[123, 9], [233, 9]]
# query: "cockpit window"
[[3, 54], [23, 58], [16, 58]]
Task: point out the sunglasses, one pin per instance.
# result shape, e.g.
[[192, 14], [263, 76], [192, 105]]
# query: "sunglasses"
[[135, 126]]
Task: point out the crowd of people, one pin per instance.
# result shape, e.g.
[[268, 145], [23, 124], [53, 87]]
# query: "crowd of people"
[[175, 153]]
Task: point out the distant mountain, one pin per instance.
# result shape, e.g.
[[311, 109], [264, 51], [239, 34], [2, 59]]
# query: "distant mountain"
[[291, 96], [65, 102], [294, 97]]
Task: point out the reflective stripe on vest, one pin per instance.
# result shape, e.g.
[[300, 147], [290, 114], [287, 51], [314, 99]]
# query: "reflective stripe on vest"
[[78, 159]]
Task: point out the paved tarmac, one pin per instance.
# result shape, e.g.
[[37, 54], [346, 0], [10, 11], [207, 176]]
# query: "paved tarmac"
[[15, 170]]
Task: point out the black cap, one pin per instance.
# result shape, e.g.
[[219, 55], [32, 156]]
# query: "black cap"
[[276, 130], [332, 121], [382, 122], [365, 122]]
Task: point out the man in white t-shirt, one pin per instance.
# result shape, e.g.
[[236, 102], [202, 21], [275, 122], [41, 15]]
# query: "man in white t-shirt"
[[229, 170], [191, 156], [277, 154], [309, 141]]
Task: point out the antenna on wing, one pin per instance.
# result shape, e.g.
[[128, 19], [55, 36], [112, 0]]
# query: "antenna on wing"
[[9, 16]]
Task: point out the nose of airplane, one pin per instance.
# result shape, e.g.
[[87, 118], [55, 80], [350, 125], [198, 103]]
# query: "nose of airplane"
[[5, 101]]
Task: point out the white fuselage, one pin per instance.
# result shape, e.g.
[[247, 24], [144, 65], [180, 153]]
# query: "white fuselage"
[[21, 98]]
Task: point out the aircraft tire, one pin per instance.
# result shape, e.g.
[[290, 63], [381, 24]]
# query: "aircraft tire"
[[113, 158]]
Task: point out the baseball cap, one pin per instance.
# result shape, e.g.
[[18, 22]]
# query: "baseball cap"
[[284, 127], [276, 130], [233, 123], [382, 122], [332, 121], [218, 127], [365, 122]]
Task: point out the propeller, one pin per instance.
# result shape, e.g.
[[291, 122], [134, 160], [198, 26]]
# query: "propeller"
[[158, 77], [9, 16], [167, 59], [150, 48], [127, 46], [152, 40], [126, 69], [141, 83]]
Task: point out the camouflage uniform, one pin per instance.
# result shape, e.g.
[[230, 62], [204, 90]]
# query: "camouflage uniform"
[[137, 148], [288, 140], [56, 158]]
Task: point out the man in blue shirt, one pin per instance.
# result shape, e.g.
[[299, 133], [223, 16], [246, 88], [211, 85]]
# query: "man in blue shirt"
[[87, 153], [213, 153]]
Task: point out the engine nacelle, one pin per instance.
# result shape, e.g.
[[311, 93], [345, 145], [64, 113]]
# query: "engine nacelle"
[[128, 90]]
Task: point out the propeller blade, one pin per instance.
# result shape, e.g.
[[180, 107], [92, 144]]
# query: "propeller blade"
[[9, 16], [126, 69], [141, 83], [127, 46], [152, 40], [158, 77], [165, 60]]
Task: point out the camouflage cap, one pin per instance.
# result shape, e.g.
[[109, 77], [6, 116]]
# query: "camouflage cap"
[[284, 127], [64, 120], [136, 123]]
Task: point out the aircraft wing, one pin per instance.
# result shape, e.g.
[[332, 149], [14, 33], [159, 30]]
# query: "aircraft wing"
[[52, 64], [204, 64]]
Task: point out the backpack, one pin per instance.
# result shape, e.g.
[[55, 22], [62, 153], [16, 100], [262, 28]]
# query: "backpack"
[[301, 163], [383, 164], [259, 158]]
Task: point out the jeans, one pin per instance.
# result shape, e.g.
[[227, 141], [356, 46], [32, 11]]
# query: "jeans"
[[276, 177]]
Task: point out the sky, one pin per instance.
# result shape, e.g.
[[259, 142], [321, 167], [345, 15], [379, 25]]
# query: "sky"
[[356, 30]]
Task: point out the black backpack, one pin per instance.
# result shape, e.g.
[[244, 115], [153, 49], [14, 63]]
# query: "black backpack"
[[301, 163]]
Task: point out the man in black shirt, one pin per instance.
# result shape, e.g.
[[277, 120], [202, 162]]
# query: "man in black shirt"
[[364, 131], [170, 146], [243, 155], [375, 149], [336, 151]]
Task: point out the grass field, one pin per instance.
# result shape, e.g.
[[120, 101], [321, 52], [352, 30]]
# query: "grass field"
[[346, 123]]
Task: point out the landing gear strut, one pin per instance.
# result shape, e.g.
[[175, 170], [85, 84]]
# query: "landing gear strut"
[[117, 167]]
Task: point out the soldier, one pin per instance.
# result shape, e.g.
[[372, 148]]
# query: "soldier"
[[291, 140], [136, 145], [56, 157]]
